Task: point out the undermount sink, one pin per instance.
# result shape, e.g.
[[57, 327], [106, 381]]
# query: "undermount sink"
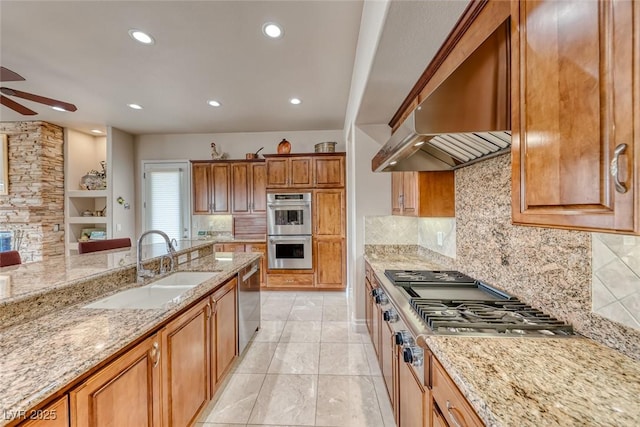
[[156, 294]]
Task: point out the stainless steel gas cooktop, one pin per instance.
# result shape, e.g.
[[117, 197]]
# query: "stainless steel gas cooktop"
[[450, 302]]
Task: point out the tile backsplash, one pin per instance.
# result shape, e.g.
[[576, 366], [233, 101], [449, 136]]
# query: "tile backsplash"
[[616, 278], [401, 230], [211, 223]]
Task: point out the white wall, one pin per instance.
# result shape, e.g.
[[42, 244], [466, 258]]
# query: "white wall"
[[84, 153], [369, 194], [121, 166], [196, 146]]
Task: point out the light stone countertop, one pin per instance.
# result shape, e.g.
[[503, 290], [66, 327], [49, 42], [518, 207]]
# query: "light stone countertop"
[[44, 355], [526, 381], [34, 278]]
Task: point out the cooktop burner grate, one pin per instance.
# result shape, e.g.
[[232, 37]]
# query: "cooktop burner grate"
[[508, 317]]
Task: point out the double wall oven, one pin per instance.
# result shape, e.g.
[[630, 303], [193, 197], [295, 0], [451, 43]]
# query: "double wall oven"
[[289, 231]]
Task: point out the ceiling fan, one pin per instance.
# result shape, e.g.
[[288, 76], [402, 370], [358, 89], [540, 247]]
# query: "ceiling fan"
[[6, 75]]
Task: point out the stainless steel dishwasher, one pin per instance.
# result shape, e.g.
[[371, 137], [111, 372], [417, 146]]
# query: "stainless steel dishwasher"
[[248, 304]]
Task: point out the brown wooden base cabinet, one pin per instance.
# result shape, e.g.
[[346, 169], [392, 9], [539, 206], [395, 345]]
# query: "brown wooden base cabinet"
[[53, 415], [225, 330], [185, 366], [125, 393], [414, 398]]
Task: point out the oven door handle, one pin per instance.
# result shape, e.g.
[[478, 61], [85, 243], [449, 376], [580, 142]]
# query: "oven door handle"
[[288, 205], [285, 239]]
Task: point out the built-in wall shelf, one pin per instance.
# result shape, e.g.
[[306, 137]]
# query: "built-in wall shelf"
[[87, 193], [87, 220]]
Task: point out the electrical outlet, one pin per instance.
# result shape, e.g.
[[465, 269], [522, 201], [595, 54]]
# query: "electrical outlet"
[[195, 255], [182, 258], [440, 238]]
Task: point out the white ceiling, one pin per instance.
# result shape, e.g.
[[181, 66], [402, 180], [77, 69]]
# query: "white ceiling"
[[80, 52]]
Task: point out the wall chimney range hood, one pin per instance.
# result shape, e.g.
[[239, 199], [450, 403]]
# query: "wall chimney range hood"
[[467, 118]]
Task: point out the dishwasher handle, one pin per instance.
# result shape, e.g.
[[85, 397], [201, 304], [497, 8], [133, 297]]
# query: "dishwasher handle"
[[253, 271]]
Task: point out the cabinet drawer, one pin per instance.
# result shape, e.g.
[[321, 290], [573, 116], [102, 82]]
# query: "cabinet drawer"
[[289, 280], [454, 407]]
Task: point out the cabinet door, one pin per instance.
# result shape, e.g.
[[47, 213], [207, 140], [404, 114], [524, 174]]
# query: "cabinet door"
[[572, 83], [233, 247], [277, 173], [300, 172], [387, 348], [185, 382], [410, 193], [260, 248], [396, 192], [414, 403], [54, 415], [224, 309], [258, 188], [132, 381], [201, 174], [329, 171], [240, 188], [329, 254], [329, 212], [220, 184]]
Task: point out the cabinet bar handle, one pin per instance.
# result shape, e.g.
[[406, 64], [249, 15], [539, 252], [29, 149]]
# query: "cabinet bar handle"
[[451, 409], [155, 354], [621, 187]]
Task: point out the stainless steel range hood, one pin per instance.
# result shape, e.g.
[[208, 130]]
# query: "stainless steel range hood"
[[467, 118]]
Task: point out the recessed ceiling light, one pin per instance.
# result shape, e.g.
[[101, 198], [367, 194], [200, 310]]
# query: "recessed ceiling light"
[[141, 36], [295, 101], [214, 103], [272, 30], [55, 107], [96, 131], [135, 106]]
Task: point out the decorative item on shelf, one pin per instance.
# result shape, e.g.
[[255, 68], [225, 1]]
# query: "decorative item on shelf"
[[215, 154], [251, 156], [87, 213], [284, 147], [95, 180], [325, 147]]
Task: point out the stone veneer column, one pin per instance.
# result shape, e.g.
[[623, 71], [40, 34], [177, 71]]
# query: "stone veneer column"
[[36, 188]]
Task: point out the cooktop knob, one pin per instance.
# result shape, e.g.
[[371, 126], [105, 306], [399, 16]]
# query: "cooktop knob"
[[375, 292], [382, 299], [404, 338], [390, 316], [413, 355]]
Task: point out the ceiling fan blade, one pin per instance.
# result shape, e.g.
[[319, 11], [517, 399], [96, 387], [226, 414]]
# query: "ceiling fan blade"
[[6, 75], [37, 98], [16, 107]]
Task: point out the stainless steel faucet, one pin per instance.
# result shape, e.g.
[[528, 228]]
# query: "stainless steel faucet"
[[143, 272]]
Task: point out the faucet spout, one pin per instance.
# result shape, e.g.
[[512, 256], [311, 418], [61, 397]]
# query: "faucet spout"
[[143, 272]]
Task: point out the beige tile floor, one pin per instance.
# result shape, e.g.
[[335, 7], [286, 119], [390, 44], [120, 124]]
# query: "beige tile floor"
[[307, 366]]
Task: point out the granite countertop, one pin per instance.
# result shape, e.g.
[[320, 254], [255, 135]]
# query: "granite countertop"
[[526, 381], [41, 356], [31, 279]]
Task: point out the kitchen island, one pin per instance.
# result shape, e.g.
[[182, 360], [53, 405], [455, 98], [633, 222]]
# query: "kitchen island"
[[521, 381], [43, 358]]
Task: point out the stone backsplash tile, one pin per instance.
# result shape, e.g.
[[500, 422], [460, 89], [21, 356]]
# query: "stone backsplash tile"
[[390, 230], [428, 229], [550, 269]]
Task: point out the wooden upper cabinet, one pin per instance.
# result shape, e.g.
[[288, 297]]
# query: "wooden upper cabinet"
[[575, 104], [423, 194], [201, 173], [220, 187], [185, 388], [124, 393], [241, 188], [289, 172], [329, 171], [301, 172], [258, 187], [211, 187], [329, 214]]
